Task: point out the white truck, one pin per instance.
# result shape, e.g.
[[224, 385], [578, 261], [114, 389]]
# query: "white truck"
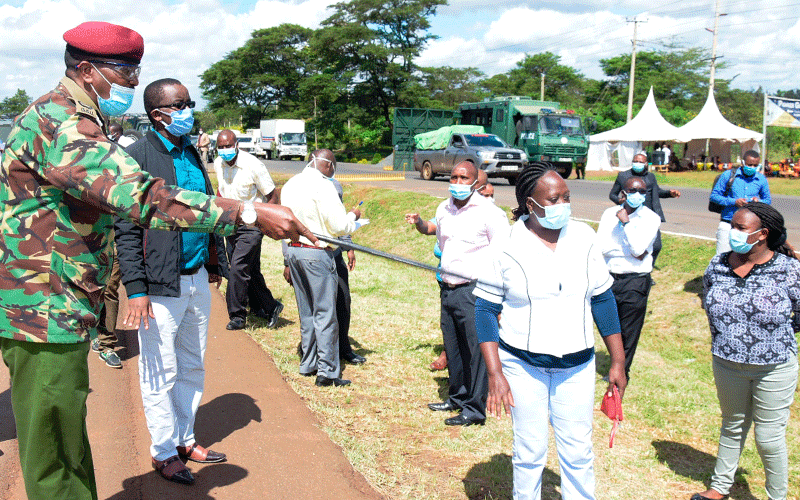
[[284, 139], [251, 142]]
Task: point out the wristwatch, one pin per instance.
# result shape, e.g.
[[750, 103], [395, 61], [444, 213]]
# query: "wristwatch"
[[248, 213]]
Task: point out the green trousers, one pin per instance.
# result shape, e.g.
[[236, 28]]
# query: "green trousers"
[[49, 386]]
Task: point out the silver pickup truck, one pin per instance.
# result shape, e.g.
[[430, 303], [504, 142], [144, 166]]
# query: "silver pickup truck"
[[486, 151]]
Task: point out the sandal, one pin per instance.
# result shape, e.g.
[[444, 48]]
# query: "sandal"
[[197, 453], [172, 469]]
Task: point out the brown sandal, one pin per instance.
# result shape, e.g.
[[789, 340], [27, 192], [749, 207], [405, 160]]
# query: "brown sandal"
[[197, 453], [172, 469]]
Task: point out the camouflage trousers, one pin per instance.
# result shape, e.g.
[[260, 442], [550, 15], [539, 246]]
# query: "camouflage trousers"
[[49, 386], [107, 324]]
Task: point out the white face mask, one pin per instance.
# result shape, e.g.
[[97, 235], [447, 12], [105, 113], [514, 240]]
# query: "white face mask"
[[313, 163]]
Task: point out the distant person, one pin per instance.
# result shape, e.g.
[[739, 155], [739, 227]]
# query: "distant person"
[[667, 153], [312, 197], [546, 280], [241, 176], [465, 226], [626, 237], [652, 199], [203, 145], [115, 134], [748, 185], [752, 300]]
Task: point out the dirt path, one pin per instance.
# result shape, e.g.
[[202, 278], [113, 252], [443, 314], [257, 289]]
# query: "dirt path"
[[274, 445]]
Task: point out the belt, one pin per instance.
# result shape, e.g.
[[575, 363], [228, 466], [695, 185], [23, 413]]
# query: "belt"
[[618, 276], [450, 286], [303, 245], [189, 272]]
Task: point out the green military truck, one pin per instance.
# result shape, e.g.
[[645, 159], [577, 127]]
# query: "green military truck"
[[540, 128]]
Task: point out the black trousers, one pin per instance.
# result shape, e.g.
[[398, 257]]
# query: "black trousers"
[[343, 305], [631, 292], [467, 370], [246, 284], [656, 247]]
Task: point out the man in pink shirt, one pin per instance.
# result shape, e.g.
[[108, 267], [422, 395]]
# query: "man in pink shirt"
[[465, 225]]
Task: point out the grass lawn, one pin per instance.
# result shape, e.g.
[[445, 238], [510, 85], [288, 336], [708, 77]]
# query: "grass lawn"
[[704, 180], [666, 446]]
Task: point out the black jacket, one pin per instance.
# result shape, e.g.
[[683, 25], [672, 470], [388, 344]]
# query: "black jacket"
[[652, 199], [149, 259]]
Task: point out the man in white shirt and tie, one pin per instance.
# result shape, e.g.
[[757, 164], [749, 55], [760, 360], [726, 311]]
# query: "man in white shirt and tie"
[[626, 236], [312, 197]]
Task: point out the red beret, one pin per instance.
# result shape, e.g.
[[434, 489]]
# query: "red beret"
[[96, 38]]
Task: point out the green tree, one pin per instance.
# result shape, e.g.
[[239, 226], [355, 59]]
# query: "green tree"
[[562, 83], [264, 73], [15, 104], [447, 87]]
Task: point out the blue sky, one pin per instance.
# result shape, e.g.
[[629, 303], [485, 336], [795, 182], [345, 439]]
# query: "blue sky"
[[758, 39]]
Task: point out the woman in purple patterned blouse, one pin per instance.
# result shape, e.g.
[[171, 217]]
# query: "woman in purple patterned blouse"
[[752, 299]]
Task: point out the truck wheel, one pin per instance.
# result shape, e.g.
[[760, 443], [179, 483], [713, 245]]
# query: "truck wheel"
[[427, 171], [268, 154], [564, 171], [512, 181]]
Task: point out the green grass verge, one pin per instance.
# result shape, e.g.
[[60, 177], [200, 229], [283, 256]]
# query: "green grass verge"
[[665, 449]]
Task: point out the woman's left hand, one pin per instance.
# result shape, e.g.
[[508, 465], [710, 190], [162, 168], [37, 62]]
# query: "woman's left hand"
[[616, 376]]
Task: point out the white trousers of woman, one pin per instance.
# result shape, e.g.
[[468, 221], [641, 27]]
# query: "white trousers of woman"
[[565, 399]]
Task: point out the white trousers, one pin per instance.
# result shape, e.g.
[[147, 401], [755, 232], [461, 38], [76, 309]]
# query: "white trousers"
[[723, 237], [171, 370], [564, 398]]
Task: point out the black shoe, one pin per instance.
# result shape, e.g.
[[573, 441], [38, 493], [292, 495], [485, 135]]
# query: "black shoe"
[[354, 359], [235, 324], [462, 420], [446, 406], [327, 382], [275, 316]]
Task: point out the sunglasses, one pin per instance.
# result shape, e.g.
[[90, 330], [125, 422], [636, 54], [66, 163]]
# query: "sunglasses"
[[179, 105], [640, 191], [128, 71]]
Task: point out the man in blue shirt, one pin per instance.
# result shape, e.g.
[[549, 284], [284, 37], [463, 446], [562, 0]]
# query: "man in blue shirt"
[[748, 185], [167, 275]]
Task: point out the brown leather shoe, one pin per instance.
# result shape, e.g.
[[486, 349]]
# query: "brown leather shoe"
[[197, 453], [172, 469]]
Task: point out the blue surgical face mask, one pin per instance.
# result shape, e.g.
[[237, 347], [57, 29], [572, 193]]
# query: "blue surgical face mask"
[[182, 121], [749, 171], [555, 216], [738, 241], [638, 167], [119, 98], [634, 200], [461, 191], [227, 154]]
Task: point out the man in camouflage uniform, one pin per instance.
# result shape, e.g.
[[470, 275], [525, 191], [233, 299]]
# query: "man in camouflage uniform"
[[62, 181]]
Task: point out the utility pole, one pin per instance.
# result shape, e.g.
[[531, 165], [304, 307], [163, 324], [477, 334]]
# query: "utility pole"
[[633, 67], [717, 15], [541, 94], [315, 123]]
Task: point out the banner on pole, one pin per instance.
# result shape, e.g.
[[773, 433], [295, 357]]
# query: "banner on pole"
[[782, 112]]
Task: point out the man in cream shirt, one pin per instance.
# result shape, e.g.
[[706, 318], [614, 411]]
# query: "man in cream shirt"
[[243, 177], [312, 197]]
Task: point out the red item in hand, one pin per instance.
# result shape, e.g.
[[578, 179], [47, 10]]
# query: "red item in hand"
[[612, 407]]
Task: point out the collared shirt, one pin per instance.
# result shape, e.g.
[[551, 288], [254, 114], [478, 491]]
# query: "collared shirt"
[[464, 235], [247, 180], [194, 246], [313, 199], [753, 319], [546, 295], [620, 243], [62, 181], [743, 187]]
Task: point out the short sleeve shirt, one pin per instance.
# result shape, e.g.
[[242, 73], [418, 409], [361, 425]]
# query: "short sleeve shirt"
[[546, 295], [753, 319], [247, 180]]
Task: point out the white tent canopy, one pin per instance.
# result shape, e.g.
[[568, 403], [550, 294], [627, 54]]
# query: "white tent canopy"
[[710, 124], [647, 126]]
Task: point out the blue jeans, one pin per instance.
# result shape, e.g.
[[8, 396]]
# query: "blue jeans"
[[760, 394], [565, 398]]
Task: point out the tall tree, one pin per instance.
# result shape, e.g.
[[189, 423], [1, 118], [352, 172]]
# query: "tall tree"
[[447, 87], [15, 104], [264, 73]]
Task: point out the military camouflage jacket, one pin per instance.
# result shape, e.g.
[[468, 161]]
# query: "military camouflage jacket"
[[62, 181]]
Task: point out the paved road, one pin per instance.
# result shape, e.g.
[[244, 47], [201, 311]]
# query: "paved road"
[[686, 215]]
